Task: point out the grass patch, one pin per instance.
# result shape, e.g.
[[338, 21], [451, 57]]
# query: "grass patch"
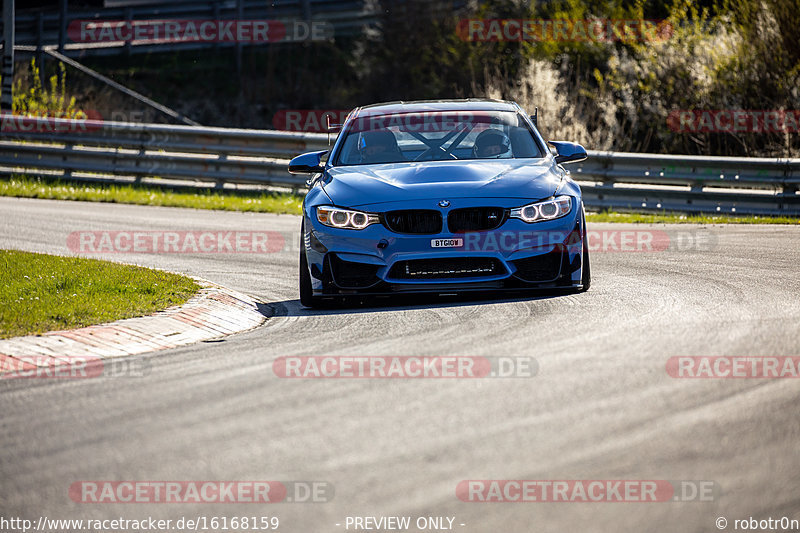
[[678, 218], [41, 292], [268, 202], [197, 198]]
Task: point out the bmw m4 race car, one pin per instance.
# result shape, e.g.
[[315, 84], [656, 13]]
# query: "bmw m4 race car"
[[440, 196]]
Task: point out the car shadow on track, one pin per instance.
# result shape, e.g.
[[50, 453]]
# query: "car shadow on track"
[[403, 302]]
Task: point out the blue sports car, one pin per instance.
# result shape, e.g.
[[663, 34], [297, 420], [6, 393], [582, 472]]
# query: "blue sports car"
[[440, 196]]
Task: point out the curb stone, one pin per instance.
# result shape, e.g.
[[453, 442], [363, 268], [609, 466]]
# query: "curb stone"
[[213, 312]]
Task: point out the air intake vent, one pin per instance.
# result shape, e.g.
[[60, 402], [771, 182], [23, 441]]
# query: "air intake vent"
[[545, 267], [475, 219], [415, 221], [351, 275], [447, 268]]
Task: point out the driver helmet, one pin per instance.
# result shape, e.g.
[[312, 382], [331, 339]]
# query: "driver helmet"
[[492, 144], [373, 144]]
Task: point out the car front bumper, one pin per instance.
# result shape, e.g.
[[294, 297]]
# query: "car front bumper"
[[376, 260]]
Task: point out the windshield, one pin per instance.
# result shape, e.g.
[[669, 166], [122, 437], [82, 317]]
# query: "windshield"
[[436, 136]]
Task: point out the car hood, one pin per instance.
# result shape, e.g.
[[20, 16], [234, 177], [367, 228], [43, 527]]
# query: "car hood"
[[362, 185]]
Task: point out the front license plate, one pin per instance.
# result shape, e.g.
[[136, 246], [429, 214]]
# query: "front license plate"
[[447, 243]]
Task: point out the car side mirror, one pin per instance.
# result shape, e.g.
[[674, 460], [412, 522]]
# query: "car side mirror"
[[568, 152], [307, 163]]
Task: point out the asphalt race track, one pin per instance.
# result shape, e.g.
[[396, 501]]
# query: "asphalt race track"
[[601, 406]]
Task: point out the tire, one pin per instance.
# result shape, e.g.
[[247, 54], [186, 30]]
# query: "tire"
[[586, 272], [307, 297]]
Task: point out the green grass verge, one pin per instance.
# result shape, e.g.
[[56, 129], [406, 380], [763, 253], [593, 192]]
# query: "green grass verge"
[[41, 292], [197, 198], [262, 202], [677, 218]]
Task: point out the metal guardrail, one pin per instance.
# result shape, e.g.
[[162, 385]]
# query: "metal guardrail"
[[625, 181], [694, 184], [117, 149]]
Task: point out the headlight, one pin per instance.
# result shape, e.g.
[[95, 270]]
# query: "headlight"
[[545, 210], [337, 217]]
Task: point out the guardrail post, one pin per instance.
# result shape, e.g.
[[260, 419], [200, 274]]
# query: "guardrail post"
[[6, 92], [306, 5], [137, 179], [696, 186], [62, 25], [608, 166], [39, 55], [220, 184], [68, 147], [239, 16], [789, 188], [128, 18], [216, 18]]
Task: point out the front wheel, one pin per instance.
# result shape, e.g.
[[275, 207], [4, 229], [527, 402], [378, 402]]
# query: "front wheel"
[[307, 297], [586, 272]]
